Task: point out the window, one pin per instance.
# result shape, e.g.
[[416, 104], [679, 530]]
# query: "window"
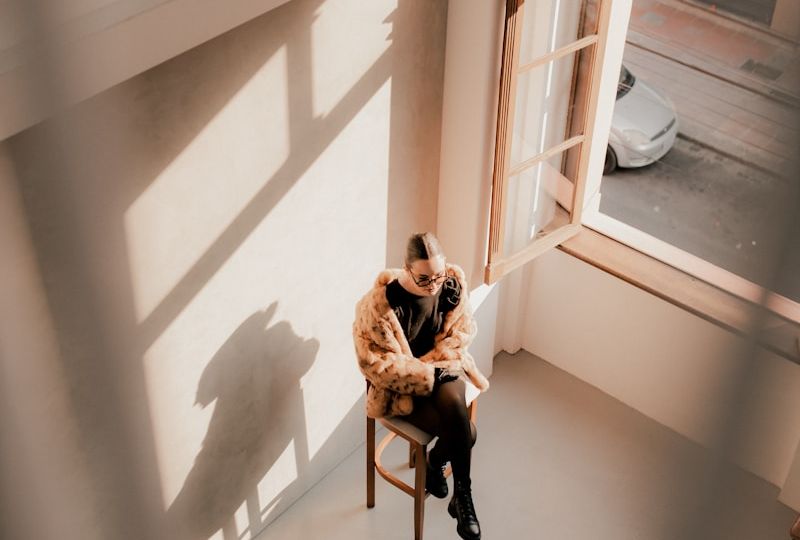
[[552, 52], [543, 189], [719, 199]]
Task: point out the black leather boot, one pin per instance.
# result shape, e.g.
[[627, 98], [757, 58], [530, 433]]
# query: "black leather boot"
[[435, 482], [462, 508]]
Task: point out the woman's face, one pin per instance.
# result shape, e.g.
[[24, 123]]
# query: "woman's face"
[[427, 275]]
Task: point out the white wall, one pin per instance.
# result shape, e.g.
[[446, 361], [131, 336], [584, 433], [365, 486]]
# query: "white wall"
[[32, 386], [790, 492], [203, 231], [674, 367], [472, 67]]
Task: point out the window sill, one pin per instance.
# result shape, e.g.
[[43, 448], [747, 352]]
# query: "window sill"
[[776, 334]]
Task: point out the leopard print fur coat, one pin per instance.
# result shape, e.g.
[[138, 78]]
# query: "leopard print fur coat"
[[385, 358]]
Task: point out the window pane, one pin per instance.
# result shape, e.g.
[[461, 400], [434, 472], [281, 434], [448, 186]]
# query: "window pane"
[[550, 104], [533, 200], [551, 24]]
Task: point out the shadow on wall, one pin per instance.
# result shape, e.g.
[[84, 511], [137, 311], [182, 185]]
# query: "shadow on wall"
[[80, 172], [255, 380], [78, 175]]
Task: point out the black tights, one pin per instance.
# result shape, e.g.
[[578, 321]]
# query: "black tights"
[[444, 414]]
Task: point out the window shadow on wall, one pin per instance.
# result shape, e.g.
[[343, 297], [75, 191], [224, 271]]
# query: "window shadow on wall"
[[78, 175]]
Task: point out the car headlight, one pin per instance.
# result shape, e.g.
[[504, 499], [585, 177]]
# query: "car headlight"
[[634, 137]]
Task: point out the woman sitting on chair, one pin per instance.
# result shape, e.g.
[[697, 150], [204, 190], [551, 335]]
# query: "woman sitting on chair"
[[411, 335]]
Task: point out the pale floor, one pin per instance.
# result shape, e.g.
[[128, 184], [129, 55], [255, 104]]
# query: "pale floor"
[[555, 459]]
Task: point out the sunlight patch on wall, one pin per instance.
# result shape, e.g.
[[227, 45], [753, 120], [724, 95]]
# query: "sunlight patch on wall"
[[325, 221], [340, 59], [323, 421], [348, 250], [281, 475], [197, 196]]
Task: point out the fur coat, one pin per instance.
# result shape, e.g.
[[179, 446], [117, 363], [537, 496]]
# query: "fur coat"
[[384, 355]]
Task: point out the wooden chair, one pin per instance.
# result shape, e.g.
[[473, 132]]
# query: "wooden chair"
[[418, 441]]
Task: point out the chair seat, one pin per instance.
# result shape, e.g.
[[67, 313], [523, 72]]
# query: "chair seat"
[[396, 423]]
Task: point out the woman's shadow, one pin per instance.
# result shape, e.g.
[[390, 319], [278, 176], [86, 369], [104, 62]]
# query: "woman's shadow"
[[259, 411]]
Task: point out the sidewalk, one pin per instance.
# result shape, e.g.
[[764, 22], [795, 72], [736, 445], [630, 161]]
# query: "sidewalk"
[[717, 45]]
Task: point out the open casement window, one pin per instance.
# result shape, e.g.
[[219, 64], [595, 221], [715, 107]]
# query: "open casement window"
[[552, 53]]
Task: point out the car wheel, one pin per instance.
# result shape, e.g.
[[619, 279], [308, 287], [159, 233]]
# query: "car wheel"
[[611, 161]]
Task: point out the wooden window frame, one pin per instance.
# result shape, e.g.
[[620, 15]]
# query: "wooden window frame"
[[498, 264], [691, 264]]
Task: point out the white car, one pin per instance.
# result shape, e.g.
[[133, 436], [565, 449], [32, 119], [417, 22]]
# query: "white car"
[[643, 127]]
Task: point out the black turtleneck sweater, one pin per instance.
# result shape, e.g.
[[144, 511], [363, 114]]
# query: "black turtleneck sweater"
[[421, 317]]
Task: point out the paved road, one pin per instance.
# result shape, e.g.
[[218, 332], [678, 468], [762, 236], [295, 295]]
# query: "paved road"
[[728, 116], [724, 199], [720, 209], [719, 45]]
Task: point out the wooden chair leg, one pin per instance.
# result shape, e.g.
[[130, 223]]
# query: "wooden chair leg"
[[419, 492], [412, 456], [370, 462]]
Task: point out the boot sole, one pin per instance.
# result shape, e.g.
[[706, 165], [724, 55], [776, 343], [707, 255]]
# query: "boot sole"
[[438, 496]]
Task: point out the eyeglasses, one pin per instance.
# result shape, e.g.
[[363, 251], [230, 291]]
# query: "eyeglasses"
[[425, 281]]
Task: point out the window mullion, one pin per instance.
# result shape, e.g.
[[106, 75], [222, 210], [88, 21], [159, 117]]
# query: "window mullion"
[[573, 47], [528, 163]]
